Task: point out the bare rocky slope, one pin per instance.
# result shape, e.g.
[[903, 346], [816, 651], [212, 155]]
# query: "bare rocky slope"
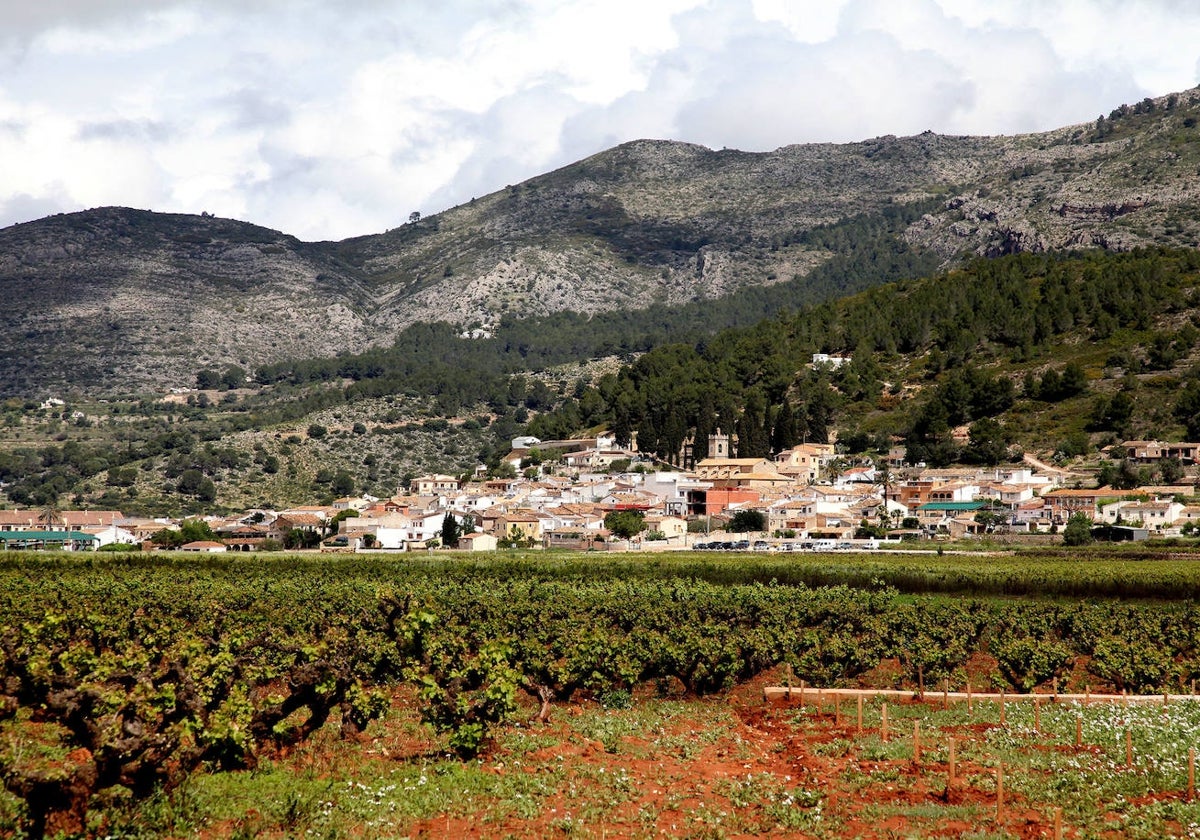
[[118, 300]]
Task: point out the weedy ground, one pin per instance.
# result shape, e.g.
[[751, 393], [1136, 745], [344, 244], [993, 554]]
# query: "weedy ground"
[[726, 767]]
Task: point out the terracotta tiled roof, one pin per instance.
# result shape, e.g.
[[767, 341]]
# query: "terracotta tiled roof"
[[302, 519]]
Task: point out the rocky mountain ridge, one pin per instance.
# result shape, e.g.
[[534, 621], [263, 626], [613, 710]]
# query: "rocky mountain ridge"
[[118, 300]]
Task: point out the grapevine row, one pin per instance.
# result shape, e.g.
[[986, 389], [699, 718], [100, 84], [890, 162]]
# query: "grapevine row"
[[135, 672]]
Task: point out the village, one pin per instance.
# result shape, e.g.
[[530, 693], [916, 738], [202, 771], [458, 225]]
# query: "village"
[[563, 495]]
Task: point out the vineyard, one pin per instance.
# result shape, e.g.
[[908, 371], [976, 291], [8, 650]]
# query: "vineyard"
[[133, 685]]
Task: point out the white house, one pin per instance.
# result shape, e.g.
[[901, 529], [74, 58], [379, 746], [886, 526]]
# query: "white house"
[[110, 535], [827, 360], [395, 539], [203, 547], [1153, 515], [855, 475]]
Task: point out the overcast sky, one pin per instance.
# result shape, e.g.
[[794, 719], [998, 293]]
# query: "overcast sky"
[[329, 119]]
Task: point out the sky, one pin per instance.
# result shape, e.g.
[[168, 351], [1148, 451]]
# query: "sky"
[[334, 118]]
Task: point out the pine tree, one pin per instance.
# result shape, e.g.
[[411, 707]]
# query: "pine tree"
[[783, 434], [673, 432], [450, 531], [706, 424], [752, 441]]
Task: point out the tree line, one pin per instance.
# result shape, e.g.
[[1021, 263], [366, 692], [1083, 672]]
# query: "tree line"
[[759, 380]]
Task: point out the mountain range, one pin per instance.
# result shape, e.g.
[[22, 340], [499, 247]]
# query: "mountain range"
[[123, 301]]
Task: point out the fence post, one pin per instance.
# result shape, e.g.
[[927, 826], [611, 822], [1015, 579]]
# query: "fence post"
[[883, 727], [1058, 824], [945, 693], [860, 704], [951, 780], [1037, 716], [1128, 746], [916, 742], [970, 705], [1192, 773], [1002, 706], [999, 790]]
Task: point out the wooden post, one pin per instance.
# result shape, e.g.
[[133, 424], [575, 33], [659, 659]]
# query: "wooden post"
[[1078, 730], [916, 742], [970, 706], [1128, 747], [860, 701], [883, 728], [946, 693], [1191, 791], [1037, 715], [1166, 699], [1002, 707], [1058, 824], [952, 767], [1087, 696], [1056, 689], [921, 681], [999, 790]]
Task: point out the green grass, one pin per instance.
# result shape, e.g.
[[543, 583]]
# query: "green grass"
[[381, 798], [1042, 769]]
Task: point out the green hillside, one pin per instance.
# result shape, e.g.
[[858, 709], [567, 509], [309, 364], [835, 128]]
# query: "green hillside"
[[1058, 352]]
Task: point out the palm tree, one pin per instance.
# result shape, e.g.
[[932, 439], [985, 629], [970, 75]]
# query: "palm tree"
[[51, 517], [835, 468], [884, 470]]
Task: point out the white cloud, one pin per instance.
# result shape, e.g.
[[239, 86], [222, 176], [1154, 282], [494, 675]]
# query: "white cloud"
[[330, 119], [808, 21]]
